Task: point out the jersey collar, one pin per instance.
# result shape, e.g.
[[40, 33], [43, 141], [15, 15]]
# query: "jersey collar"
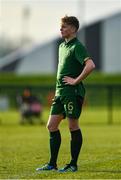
[[71, 41]]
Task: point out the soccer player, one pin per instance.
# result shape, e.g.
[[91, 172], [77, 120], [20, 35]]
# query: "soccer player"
[[74, 66]]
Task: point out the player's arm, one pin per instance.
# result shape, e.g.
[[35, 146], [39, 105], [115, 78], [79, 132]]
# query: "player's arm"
[[88, 68]]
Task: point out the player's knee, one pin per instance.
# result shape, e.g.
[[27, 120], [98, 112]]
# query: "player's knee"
[[51, 127], [73, 127], [48, 126]]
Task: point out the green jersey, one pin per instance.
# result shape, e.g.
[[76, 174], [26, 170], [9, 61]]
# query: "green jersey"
[[72, 56]]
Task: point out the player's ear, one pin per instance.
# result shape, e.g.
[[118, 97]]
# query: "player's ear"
[[74, 30]]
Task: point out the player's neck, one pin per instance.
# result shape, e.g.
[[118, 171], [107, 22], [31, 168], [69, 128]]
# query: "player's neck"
[[70, 38]]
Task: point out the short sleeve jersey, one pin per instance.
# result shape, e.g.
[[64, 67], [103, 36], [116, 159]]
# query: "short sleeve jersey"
[[72, 56]]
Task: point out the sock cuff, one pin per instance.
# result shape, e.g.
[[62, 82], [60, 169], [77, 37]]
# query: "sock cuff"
[[55, 133], [76, 131], [76, 135]]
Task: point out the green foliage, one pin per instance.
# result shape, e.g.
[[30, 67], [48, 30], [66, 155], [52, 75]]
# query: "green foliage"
[[24, 148], [12, 79], [95, 78], [101, 78]]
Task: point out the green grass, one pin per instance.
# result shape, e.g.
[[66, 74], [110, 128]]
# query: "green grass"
[[24, 148]]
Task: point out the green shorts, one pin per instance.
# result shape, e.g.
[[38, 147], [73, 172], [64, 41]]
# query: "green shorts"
[[69, 106]]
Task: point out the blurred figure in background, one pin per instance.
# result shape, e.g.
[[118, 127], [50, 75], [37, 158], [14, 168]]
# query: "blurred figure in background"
[[30, 107]]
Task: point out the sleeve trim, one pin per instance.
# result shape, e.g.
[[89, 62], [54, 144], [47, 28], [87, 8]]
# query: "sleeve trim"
[[86, 59]]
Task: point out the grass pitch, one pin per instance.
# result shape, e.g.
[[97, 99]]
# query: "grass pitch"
[[24, 148]]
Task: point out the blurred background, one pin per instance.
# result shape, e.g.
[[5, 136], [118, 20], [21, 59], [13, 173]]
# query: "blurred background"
[[29, 39]]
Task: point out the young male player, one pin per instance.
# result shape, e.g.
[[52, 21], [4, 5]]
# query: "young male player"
[[73, 67]]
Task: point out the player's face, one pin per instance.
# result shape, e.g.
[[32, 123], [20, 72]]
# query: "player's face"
[[67, 30]]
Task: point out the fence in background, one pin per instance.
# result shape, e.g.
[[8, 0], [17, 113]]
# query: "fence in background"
[[97, 96]]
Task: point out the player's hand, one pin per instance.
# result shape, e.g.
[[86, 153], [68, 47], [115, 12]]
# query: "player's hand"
[[69, 80]]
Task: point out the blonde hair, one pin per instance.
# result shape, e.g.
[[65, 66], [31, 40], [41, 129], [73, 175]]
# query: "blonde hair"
[[71, 20]]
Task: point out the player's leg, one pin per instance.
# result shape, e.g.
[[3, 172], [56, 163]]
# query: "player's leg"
[[56, 116], [76, 140], [73, 110], [53, 122], [55, 137]]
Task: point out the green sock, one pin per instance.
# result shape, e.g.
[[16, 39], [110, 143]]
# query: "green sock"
[[55, 141], [76, 143]]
